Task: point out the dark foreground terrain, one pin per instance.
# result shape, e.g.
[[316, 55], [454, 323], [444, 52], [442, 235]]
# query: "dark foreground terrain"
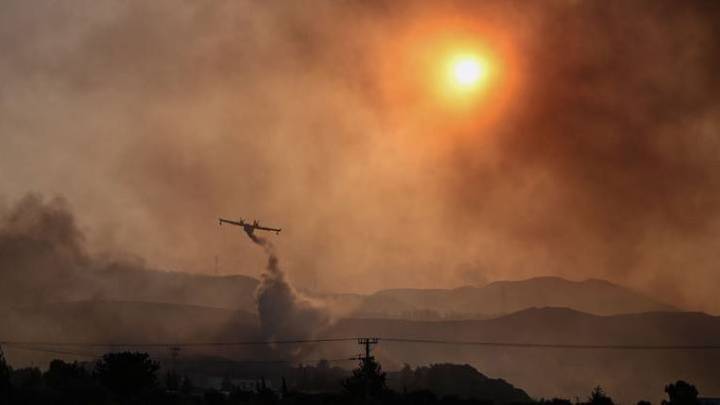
[[627, 375], [135, 378]]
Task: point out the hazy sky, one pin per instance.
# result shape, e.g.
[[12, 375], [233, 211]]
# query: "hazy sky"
[[591, 151]]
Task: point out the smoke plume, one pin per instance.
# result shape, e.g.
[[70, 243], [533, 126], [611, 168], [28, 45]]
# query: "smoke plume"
[[284, 312]]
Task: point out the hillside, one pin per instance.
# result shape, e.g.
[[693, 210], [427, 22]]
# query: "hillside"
[[136, 283], [628, 375], [462, 381], [591, 296]]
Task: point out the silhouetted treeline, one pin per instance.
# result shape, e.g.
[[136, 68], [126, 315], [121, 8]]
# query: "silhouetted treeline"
[[117, 378], [134, 378]]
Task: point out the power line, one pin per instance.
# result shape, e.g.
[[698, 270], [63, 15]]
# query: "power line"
[[550, 345], [528, 345], [53, 351]]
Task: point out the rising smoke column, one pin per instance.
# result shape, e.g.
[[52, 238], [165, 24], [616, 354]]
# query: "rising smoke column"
[[284, 313]]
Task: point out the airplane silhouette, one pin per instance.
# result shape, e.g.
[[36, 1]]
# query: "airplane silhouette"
[[248, 227]]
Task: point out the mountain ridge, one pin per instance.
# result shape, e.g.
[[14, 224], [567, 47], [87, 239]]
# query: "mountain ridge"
[[593, 296], [127, 283]]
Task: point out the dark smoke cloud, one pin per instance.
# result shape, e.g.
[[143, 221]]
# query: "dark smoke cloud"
[[154, 118], [44, 259], [284, 313], [41, 252]]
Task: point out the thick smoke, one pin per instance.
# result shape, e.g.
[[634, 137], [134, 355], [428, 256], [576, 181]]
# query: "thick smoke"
[[44, 259], [42, 254], [284, 313], [154, 116]]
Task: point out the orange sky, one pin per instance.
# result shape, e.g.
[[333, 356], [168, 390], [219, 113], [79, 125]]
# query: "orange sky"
[[589, 152]]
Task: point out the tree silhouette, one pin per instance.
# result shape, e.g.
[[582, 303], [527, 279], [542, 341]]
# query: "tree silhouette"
[[681, 393], [407, 377], [186, 387], [130, 377], [4, 379], [70, 383], [555, 401], [61, 375], [227, 384], [27, 379], [367, 381], [265, 395], [598, 397], [172, 381], [213, 397]]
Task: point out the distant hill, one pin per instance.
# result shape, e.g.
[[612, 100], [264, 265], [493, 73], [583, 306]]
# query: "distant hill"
[[237, 292], [591, 296], [628, 375], [503, 297], [128, 282]]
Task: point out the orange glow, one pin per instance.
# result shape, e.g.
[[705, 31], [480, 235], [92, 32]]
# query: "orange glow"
[[444, 75]]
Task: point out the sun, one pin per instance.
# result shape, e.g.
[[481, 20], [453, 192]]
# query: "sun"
[[467, 72]]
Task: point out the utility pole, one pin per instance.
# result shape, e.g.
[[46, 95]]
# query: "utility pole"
[[368, 380], [368, 343]]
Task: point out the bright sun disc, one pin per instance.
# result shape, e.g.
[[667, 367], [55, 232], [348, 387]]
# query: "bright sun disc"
[[467, 71]]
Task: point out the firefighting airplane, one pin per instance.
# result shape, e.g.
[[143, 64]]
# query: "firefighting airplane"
[[248, 227]]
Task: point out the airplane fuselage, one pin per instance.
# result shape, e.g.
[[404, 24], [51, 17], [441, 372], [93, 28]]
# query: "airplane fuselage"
[[247, 227]]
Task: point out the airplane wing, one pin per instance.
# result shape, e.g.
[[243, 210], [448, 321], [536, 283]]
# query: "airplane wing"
[[276, 230], [227, 221]]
